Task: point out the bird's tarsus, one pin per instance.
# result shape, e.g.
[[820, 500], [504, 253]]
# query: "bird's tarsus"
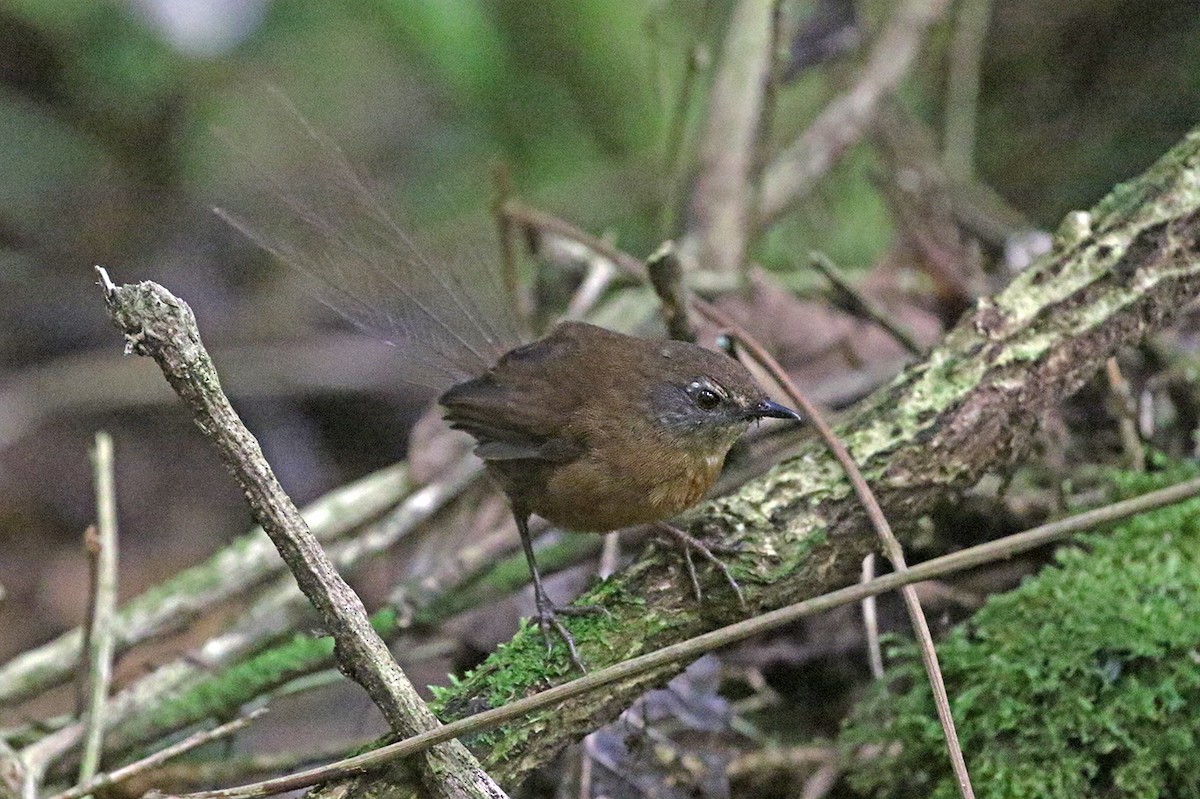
[[547, 618]]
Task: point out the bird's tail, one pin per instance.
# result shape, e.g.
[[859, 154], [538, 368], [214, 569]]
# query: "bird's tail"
[[451, 320]]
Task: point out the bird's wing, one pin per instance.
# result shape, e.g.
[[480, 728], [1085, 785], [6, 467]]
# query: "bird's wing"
[[507, 422], [517, 410]]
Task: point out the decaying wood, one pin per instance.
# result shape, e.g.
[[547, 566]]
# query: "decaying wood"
[[971, 407]]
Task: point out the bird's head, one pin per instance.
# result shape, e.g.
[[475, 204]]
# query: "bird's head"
[[704, 400]]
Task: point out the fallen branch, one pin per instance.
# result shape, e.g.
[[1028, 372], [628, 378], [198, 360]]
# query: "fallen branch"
[[971, 407], [688, 650], [158, 324]]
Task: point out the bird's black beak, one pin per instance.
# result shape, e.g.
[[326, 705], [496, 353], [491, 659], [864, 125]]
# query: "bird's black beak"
[[773, 410]]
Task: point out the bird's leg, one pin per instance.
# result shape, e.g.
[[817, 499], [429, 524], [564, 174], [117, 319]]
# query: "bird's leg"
[[546, 610], [691, 543]]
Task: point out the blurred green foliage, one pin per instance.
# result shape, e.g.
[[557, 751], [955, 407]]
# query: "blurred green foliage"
[[1082, 682], [107, 127], [105, 115], [574, 98]]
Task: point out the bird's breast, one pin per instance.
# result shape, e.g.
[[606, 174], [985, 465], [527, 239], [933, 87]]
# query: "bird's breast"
[[598, 493]]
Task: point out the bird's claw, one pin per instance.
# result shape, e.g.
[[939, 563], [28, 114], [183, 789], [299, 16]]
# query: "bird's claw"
[[691, 543], [547, 619]]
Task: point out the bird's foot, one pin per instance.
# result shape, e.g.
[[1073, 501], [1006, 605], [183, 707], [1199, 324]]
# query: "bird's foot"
[[706, 551], [547, 619]]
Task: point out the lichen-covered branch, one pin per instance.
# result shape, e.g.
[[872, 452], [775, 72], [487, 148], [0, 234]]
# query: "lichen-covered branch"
[[158, 324], [234, 571], [971, 407]]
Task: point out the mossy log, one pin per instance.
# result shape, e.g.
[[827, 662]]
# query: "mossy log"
[[973, 406], [1056, 694]]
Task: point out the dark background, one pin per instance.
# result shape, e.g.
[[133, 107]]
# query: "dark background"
[[107, 120]]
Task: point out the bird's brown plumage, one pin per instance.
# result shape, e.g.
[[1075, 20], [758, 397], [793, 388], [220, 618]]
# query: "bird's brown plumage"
[[578, 427], [591, 429]]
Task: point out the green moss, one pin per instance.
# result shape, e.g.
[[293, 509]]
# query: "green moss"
[[510, 574], [1082, 682], [223, 695]]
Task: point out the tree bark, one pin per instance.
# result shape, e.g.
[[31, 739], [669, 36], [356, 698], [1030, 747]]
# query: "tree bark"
[[972, 407]]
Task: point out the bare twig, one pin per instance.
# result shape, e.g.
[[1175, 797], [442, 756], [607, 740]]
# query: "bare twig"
[[233, 571], [916, 189], [697, 61], [196, 773], [962, 87], [722, 203], [781, 27], [103, 602], [156, 759], [12, 772], [666, 276], [597, 279], [891, 548], [1127, 411], [610, 554], [822, 780], [855, 302], [530, 217], [158, 324], [843, 122], [91, 550], [694, 647], [871, 620], [517, 296]]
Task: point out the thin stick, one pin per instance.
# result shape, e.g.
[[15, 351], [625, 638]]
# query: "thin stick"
[[962, 87], [610, 555], [599, 275], [158, 324], [1128, 410], [91, 550], [891, 547], [694, 647], [102, 781], [870, 612], [510, 275], [666, 276], [855, 302], [196, 773], [12, 772], [528, 216], [675, 177], [103, 603]]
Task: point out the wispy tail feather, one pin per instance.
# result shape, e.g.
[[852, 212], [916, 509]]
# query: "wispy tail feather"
[[451, 320]]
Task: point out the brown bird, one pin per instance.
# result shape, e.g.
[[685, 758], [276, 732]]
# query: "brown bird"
[[594, 431], [590, 429]]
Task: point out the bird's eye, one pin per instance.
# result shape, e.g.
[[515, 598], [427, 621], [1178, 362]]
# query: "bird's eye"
[[707, 399]]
